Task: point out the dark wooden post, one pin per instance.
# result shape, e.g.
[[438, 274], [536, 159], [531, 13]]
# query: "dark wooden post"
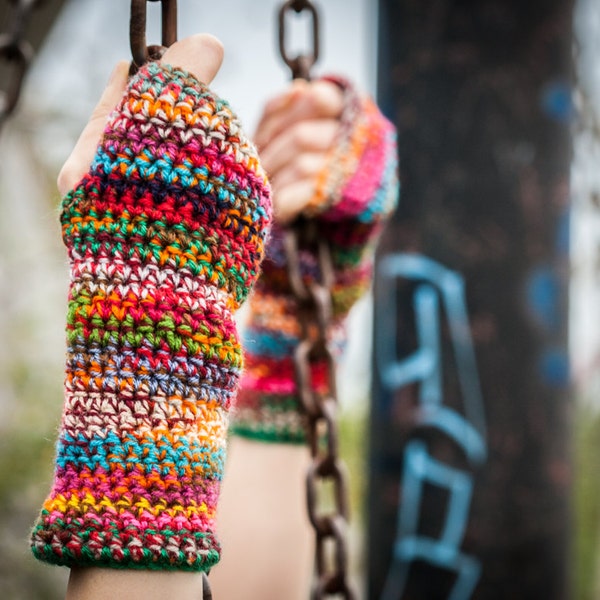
[[470, 422], [23, 29], [41, 21]]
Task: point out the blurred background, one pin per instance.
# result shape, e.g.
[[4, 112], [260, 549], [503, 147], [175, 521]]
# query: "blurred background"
[[84, 41]]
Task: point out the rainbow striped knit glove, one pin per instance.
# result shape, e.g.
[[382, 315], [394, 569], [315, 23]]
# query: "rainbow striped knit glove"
[[356, 191], [165, 237]]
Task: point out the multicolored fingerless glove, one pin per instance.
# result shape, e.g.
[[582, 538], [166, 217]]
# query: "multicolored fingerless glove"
[[356, 191], [165, 237]]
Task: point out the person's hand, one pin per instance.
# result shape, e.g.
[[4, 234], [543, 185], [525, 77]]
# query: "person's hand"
[[294, 136], [201, 55], [153, 284]]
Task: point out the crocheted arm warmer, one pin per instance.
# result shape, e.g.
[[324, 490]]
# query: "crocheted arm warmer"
[[356, 191], [165, 235]]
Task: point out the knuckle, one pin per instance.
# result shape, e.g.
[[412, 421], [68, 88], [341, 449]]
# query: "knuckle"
[[300, 134], [331, 132], [305, 166], [327, 99]]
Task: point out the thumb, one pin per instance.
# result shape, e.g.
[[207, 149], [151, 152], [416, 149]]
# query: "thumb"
[[200, 54], [82, 155]]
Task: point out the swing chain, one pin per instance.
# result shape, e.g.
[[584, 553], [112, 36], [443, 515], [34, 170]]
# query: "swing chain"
[[206, 591], [320, 409], [140, 51], [300, 65], [16, 52], [314, 300]]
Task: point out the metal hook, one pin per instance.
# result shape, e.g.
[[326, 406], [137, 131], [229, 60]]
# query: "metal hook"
[[301, 64]]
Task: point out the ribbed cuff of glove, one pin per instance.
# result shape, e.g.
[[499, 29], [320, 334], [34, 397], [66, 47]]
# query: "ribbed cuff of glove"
[[356, 191], [165, 236]]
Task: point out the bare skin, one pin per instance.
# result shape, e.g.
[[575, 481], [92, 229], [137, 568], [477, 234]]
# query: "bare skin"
[[266, 538], [294, 135]]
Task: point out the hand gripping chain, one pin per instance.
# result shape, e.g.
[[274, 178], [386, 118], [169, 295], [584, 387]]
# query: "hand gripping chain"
[[314, 302], [300, 65]]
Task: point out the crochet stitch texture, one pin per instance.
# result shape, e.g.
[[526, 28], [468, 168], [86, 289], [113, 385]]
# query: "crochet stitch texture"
[[356, 191], [165, 236]]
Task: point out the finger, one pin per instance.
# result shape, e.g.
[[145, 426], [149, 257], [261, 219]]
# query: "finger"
[[304, 166], [82, 155], [200, 54], [304, 100], [290, 201], [283, 99], [318, 100], [306, 136], [276, 105]]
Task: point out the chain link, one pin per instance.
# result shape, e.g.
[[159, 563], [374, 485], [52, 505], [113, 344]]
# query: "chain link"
[[314, 301], [16, 53], [140, 51], [206, 591], [300, 65]]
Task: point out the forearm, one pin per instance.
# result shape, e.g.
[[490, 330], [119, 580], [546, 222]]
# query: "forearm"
[[100, 584], [165, 236], [268, 544]]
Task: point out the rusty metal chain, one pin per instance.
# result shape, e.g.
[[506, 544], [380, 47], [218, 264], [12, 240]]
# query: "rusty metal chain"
[[16, 52], [140, 51], [206, 591], [300, 65], [314, 299], [321, 411]]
